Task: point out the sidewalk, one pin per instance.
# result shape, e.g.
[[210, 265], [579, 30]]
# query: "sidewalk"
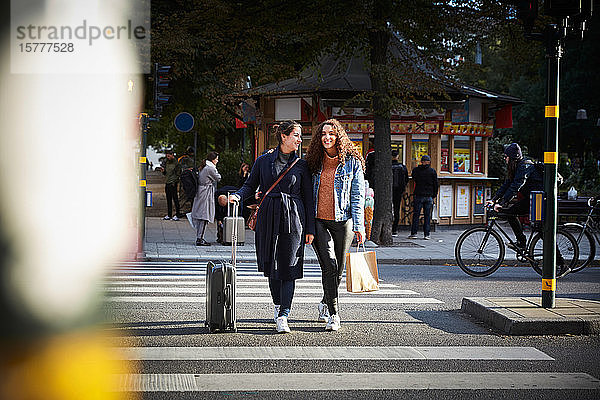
[[525, 315], [175, 240]]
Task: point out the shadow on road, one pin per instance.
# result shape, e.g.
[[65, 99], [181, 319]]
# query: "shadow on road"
[[449, 321]]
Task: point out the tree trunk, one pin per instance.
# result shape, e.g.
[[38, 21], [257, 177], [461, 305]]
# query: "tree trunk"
[[381, 231]]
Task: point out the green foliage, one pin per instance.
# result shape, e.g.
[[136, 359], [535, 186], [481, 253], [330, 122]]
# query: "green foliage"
[[229, 165], [586, 180], [516, 66]]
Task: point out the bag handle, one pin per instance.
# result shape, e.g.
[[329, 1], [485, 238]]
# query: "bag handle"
[[358, 247], [276, 182]]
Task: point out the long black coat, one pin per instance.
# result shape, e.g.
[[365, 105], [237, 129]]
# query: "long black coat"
[[284, 218]]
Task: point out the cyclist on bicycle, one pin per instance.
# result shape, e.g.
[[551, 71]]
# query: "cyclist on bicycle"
[[522, 176]]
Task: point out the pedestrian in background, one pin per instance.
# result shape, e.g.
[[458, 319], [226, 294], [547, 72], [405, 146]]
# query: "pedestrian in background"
[[426, 188], [399, 181], [203, 209], [188, 179], [171, 169], [286, 218], [243, 174], [186, 161], [370, 165], [339, 195]]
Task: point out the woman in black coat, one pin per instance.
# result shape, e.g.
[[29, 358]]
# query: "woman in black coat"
[[286, 218]]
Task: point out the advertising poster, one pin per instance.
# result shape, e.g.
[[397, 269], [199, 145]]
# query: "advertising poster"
[[461, 115], [358, 144], [462, 160], [445, 155], [478, 207], [478, 160], [445, 201], [462, 201], [420, 148]]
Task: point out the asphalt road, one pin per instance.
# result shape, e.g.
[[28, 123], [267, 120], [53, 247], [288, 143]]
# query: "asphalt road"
[[407, 341]]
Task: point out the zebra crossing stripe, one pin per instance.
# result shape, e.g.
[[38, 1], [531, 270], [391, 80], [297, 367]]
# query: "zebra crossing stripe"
[[356, 381], [240, 283], [332, 353], [363, 299], [240, 290]]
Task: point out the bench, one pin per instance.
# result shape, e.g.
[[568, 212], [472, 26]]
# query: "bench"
[[572, 210]]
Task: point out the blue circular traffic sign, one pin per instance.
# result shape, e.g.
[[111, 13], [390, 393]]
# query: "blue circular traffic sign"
[[184, 122]]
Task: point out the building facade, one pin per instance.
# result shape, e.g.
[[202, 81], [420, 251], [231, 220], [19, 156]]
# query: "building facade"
[[454, 131]]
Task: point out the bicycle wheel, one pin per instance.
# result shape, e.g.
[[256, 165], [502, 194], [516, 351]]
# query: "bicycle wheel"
[[585, 242], [479, 251], [566, 246]]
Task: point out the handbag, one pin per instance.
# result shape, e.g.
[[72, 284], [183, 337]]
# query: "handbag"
[[254, 215], [361, 271]]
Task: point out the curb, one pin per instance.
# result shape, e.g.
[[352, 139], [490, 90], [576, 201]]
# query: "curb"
[[512, 323]]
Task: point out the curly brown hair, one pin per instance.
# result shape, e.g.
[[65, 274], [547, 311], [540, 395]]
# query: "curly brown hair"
[[345, 147]]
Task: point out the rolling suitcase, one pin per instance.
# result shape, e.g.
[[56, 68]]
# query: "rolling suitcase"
[[228, 224], [220, 291]]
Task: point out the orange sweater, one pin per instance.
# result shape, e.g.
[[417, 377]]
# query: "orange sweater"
[[326, 199]]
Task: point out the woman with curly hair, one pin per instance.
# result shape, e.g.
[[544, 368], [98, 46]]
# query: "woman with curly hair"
[[339, 196]]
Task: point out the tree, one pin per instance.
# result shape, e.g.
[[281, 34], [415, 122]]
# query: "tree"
[[406, 48]]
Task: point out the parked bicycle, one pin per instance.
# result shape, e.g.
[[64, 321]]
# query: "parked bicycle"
[[586, 235], [480, 251]]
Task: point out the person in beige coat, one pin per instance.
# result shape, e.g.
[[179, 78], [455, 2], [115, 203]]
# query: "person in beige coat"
[[203, 209]]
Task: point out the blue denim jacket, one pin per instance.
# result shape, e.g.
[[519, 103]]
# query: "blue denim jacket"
[[349, 184]]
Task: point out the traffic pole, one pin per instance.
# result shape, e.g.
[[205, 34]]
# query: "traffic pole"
[[553, 37], [144, 121]]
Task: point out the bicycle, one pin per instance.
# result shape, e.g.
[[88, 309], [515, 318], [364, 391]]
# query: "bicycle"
[[480, 251], [586, 235]]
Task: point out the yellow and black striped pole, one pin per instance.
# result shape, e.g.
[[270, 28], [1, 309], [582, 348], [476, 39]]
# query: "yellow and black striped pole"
[[144, 121], [553, 37]]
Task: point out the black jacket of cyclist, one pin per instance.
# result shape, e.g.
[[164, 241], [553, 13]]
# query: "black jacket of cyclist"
[[522, 176]]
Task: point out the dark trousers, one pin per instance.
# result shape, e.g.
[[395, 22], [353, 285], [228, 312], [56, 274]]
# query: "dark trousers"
[[282, 293], [511, 215], [332, 242], [172, 196], [425, 203], [396, 200]]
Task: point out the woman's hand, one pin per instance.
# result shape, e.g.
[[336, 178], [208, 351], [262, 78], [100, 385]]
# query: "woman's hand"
[[309, 238], [234, 198], [359, 236]]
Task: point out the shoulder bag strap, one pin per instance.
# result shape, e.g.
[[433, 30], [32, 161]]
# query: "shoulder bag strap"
[[277, 181]]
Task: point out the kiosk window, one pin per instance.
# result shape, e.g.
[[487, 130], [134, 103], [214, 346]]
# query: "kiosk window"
[[462, 153]]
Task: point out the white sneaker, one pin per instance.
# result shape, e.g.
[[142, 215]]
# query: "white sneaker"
[[323, 312], [167, 217], [282, 325], [426, 237], [175, 218], [333, 324], [412, 237], [276, 312]]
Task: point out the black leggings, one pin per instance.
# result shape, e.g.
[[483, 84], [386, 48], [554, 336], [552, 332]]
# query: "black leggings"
[[332, 242], [512, 213], [171, 192]]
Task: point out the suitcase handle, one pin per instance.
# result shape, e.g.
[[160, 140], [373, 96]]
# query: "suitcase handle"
[[234, 232], [228, 297]]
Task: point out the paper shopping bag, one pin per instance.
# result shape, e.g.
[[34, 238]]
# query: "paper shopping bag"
[[191, 221], [361, 272]]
